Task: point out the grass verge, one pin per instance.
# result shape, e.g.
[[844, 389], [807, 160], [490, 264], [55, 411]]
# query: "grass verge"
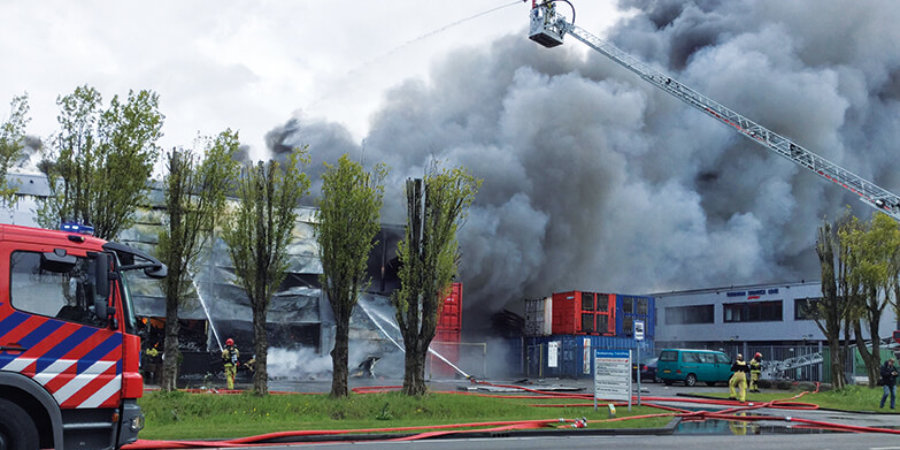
[[180, 415]]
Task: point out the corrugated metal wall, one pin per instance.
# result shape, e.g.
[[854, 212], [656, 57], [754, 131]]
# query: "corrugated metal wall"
[[574, 354]]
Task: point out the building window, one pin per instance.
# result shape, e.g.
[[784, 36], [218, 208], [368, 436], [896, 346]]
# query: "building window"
[[677, 315], [806, 308], [602, 302], [587, 323], [587, 301], [753, 312], [628, 325], [627, 305], [642, 305], [602, 323]]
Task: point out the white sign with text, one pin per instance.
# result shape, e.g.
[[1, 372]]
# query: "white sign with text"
[[612, 375]]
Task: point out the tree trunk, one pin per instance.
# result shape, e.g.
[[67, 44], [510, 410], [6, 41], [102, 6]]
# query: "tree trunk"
[[873, 360], [171, 355], [261, 346], [866, 355], [414, 375], [339, 357], [837, 362]]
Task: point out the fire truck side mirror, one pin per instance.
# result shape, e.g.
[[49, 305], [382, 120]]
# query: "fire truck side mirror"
[[101, 276], [101, 286]]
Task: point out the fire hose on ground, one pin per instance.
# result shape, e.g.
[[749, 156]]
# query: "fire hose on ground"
[[736, 412]]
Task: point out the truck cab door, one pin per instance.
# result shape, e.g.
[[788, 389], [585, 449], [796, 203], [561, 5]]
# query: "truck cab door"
[[67, 348]]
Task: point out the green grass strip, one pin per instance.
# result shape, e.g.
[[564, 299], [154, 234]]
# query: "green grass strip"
[[180, 415]]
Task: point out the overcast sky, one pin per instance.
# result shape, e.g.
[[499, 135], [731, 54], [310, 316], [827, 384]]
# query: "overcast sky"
[[247, 65]]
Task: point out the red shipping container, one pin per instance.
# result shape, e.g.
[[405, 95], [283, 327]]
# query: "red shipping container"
[[577, 312], [446, 343], [565, 312], [450, 315]]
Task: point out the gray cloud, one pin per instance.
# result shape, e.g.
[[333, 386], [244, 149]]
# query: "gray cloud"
[[595, 180]]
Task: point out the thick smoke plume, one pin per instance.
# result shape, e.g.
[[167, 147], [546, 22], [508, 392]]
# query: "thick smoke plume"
[[595, 180]]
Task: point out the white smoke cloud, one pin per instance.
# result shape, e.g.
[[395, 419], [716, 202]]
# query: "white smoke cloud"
[[595, 180], [306, 364]]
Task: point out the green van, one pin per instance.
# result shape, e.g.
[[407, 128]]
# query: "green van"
[[691, 366]]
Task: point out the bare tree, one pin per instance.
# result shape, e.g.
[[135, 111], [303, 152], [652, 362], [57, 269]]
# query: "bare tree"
[[257, 236]]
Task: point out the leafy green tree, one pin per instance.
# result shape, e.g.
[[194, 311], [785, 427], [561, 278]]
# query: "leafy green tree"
[[100, 161], [12, 141], [348, 221], [873, 251], [257, 236], [195, 189], [428, 259]]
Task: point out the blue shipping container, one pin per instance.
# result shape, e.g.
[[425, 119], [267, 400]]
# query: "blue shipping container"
[[570, 356], [635, 307]]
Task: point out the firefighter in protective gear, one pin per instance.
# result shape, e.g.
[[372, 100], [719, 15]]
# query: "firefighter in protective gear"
[[755, 371], [739, 379], [230, 358]]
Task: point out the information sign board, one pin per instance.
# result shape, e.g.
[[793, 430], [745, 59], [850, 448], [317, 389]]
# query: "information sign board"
[[612, 375]]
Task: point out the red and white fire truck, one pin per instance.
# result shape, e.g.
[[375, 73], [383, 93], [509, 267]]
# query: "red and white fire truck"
[[69, 349]]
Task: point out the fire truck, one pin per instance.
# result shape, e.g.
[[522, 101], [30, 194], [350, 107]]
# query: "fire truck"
[[69, 348]]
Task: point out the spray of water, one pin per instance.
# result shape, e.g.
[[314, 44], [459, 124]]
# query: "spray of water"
[[379, 318], [212, 325], [353, 72]]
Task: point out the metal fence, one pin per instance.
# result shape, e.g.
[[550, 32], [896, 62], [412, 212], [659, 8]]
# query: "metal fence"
[[809, 372]]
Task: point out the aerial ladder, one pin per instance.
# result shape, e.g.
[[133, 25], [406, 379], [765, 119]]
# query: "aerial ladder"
[[548, 26]]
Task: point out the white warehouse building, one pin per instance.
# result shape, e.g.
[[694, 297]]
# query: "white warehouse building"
[[773, 319]]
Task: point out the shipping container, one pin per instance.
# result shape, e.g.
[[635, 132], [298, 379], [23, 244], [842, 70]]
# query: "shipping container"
[[571, 356], [450, 315], [635, 307], [577, 312], [539, 316], [446, 343]]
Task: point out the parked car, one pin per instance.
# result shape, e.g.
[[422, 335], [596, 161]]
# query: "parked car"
[[691, 366], [647, 369]]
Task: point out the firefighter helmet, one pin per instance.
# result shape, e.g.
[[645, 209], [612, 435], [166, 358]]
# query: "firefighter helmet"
[[229, 341], [757, 355]]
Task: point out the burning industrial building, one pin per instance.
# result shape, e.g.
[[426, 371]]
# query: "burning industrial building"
[[595, 181]]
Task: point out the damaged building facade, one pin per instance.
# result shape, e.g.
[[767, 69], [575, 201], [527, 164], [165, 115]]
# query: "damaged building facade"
[[299, 320]]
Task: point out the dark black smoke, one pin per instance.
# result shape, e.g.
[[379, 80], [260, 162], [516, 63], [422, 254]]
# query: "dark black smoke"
[[595, 180]]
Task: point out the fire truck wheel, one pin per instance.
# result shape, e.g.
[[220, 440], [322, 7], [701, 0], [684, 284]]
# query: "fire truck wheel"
[[17, 431]]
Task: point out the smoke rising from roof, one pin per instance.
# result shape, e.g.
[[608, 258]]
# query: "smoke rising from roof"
[[595, 180]]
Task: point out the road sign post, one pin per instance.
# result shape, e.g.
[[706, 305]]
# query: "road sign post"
[[638, 337]]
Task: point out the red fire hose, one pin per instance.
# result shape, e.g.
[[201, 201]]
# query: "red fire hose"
[[432, 431]]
